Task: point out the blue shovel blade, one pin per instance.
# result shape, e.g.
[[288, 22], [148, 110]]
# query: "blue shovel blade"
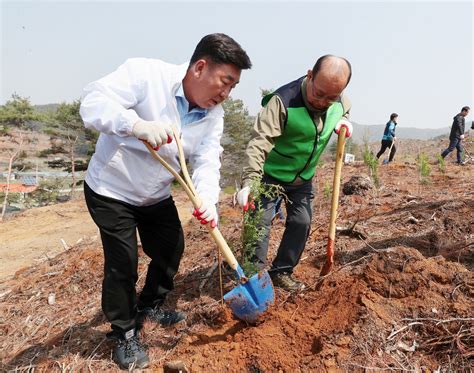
[[250, 300]]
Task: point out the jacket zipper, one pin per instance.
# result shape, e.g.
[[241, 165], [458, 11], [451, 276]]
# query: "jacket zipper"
[[311, 156]]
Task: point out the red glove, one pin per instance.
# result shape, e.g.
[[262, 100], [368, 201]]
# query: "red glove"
[[156, 148], [207, 213]]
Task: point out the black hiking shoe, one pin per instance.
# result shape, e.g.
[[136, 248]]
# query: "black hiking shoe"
[[286, 282], [164, 318], [129, 352]]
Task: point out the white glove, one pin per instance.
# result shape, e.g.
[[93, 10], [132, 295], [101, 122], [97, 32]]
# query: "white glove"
[[243, 198], [154, 133], [462, 137], [344, 123], [207, 213]]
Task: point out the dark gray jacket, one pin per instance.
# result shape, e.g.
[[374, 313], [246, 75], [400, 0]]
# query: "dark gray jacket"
[[457, 129]]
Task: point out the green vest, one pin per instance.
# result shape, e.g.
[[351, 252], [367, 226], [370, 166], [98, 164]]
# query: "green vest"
[[297, 150]]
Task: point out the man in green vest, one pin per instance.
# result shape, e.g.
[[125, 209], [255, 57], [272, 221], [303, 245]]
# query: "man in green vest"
[[291, 131]]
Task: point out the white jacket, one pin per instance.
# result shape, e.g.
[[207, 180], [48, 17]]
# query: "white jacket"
[[121, 166]]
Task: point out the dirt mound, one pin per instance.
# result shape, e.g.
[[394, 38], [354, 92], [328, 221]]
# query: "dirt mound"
[[400, 296], [394, 308], [357, 185]]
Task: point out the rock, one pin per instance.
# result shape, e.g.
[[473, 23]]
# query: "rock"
[[51, 298], [344, 341], [357, 185], [176, 366]]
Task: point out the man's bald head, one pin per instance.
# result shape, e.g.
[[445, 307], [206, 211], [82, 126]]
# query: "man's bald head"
[[333, 68], [327, 80]]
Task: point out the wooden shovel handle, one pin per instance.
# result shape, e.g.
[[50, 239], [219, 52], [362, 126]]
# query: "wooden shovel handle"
[[336, 184], [334, 202], [188, 187], [391, 146]]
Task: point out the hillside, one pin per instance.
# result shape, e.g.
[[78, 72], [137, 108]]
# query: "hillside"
[[34, 142], [400, 296], [375, 132], [31, 159]]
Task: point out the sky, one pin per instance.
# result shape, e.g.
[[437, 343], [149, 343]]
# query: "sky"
[[414, 58]]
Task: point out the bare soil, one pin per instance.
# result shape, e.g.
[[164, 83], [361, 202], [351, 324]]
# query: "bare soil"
[[42, 233], [399, 298]]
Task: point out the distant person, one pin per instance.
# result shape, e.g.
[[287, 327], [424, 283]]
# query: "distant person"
[[388, 138], [457, 135], [278, 210], [127, 190], [291, 131]]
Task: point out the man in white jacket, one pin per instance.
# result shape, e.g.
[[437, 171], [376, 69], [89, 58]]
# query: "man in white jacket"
[[127, 189]]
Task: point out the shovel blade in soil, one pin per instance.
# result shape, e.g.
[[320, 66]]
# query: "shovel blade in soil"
[[329, 256], [248, 301]]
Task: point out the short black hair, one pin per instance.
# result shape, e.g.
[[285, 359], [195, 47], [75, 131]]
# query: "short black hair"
[[465, 108], [320, 61], [393, 116], [221, 49]]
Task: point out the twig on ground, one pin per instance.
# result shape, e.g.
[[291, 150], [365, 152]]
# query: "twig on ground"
[[208, 275], [51, 274], [452, 293], [351, 232], [96, 348], [438, 321], [6, 292], [65, 246], [371, 247], [353, 262], [314, 230], [378, 369], [285, 300], [393, 334], [38, 327], [320, 280], [293, 314]]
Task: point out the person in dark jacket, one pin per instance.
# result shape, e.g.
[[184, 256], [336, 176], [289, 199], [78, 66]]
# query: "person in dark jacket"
[[389, 138], [457, 134]]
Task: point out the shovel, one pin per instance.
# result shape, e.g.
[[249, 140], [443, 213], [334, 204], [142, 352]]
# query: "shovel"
[[252, 297], [334, 202], [387, 160]]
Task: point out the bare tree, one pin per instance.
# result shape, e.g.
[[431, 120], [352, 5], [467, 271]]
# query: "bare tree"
[[72, 141], [13, 155], [15, 114], [67, 128]]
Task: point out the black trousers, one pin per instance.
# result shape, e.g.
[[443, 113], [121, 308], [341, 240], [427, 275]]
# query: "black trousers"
[[162, 240], [454, 144], [387, 144], [297, 226]]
